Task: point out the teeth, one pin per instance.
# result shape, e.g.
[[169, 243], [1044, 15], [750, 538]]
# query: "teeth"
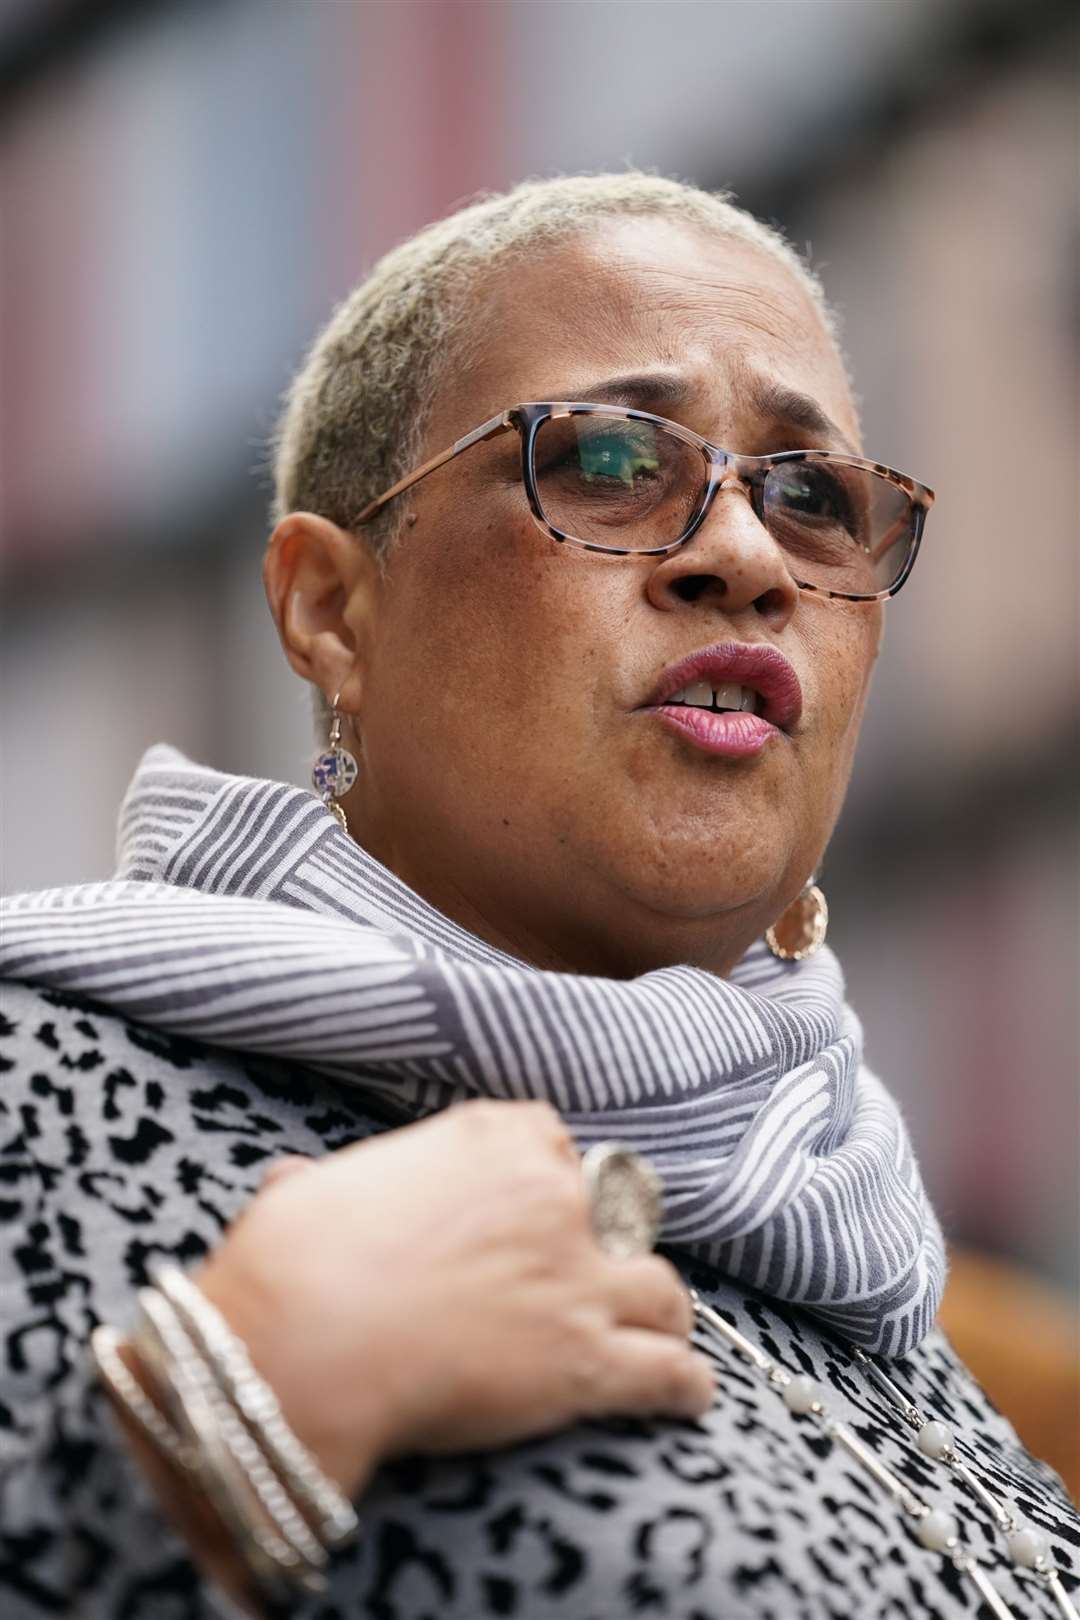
[[729, 695]]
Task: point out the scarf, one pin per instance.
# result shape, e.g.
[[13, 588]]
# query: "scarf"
[[244, 917]]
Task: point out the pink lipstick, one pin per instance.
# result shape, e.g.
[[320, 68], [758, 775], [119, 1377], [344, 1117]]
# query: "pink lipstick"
[[729, 699]]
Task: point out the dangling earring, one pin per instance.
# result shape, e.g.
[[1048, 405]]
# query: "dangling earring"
[[335, 771], [800, 930]]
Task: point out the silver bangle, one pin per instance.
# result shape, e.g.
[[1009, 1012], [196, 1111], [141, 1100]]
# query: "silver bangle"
[[221, 1424], [259, 1505], [227, 1358], [197, 1456], [160, 1343], [130, 1395]]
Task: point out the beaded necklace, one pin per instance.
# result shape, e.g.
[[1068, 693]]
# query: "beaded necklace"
[[935, 1529], [625, 1195]]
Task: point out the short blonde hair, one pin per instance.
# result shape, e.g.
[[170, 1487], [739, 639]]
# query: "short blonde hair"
[[356, 412]]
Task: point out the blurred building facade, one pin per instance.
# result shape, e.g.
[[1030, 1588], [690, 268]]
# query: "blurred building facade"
[[187, 188]]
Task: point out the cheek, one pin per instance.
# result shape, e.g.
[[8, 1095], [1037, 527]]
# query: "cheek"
[[493, 629], [842, 655]]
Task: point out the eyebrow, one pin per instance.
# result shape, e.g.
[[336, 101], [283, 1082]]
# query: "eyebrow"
[[781, 404], [789, 406], [633, 388]]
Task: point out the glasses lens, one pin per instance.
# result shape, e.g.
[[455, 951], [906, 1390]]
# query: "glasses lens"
[[616, 482], [844, 528]]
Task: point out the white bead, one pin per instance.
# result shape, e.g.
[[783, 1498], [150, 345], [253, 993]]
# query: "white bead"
[[1027, 1546], [936, 1530], [935, 1439], [801, 1394]]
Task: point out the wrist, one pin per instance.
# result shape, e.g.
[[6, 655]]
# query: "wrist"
[[339, 1421]]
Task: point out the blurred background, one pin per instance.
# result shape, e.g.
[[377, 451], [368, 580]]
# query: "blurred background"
[[186, 190]]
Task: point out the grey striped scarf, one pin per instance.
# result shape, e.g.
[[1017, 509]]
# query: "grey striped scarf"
[[243, 916]]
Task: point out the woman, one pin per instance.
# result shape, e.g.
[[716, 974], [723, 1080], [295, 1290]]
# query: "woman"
[[593, 688]]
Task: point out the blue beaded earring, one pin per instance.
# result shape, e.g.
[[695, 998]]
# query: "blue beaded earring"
[[334, 771]]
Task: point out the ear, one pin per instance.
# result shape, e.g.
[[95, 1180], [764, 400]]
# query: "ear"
[[322, 585]]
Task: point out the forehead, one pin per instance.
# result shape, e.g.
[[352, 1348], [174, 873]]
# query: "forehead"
[[642, 294]]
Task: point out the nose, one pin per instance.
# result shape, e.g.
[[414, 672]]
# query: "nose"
[[731, 565]]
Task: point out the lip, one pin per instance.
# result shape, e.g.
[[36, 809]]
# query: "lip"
[[752, 664]]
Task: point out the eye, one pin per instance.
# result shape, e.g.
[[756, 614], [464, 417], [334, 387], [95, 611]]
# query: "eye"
[[625, 457], [818, 494], [620, 457]]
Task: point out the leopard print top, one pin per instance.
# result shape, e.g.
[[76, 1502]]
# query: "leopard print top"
[[119, 1144]]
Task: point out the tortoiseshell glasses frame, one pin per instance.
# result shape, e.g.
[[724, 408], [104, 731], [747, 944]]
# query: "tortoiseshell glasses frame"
[[720, 469]]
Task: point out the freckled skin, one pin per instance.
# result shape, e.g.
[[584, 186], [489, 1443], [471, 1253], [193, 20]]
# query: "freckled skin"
[[506, 774]]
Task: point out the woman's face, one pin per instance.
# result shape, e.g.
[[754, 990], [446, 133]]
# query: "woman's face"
[[513, 769]]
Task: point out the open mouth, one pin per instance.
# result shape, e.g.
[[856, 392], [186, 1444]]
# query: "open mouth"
[[730, 699], [737, 677]]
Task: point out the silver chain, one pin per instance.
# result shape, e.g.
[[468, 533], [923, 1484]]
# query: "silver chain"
[[935, 1529], [1028, 1548]]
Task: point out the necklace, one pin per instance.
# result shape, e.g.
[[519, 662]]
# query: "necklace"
[[1028, 1548], [937, 1530], [624, 1194]]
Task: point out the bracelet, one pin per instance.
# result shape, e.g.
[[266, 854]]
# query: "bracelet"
[[221, 1424], [197, 1461], [227, 1357], [238, 1495], [129, 1394], [267, 1559]]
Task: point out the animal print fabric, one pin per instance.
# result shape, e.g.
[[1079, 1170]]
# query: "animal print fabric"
[[119, 1144]]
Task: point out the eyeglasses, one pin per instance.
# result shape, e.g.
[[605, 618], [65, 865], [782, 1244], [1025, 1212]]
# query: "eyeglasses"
[[626, 483]]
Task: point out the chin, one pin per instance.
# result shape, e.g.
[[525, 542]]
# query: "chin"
[[700, 886]]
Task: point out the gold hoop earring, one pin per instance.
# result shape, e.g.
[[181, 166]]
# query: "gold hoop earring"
[[800, 930], [335, 770]]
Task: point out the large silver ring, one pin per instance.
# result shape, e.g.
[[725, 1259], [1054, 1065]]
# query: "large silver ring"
[[625, 1197]]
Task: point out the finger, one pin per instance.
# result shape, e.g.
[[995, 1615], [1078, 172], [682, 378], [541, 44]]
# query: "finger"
[[530, 1122], [653, 1373], [497, 1113], [281, 1169], [647, 1292], [540, 1119]]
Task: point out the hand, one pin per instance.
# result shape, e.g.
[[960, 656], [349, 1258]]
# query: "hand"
[[439, 1288]]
